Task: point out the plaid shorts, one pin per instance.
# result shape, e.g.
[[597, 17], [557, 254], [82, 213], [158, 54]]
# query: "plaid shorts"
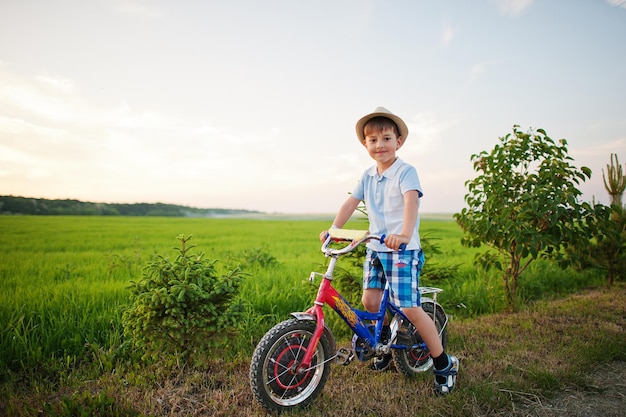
[[401, 269]]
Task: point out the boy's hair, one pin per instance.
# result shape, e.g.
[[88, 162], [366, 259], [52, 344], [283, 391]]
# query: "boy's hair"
[[380, 123]]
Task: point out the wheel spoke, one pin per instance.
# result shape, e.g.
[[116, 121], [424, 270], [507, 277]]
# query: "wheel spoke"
[[283, 372]]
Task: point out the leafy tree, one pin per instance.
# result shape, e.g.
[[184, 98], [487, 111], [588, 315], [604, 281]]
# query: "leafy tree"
[[524, 204], [177, 307]]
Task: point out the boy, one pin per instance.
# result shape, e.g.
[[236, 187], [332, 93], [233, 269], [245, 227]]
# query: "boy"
[[391, 192]]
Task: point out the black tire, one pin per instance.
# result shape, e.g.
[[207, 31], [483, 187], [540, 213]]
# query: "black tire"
[[413, 361], [273, 382]]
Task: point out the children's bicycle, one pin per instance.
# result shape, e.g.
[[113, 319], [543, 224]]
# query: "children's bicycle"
[[291, 363]]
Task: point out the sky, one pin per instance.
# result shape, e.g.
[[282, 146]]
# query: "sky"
[[252, 104]]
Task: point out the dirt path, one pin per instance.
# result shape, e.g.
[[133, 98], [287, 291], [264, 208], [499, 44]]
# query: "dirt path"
[[604, 395]]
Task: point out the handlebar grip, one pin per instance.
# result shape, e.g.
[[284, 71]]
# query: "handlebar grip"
[[402, 245]]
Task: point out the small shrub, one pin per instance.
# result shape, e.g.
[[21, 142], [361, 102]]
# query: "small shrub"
[[260, 257], [177, 307]]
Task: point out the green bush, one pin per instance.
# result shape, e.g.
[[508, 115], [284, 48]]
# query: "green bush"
[[178, 307], [260, 257]]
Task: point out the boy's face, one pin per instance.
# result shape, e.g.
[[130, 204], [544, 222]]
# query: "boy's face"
[[382, 146]]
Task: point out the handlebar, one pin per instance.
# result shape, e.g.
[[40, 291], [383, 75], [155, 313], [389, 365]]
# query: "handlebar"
[[355, 237]]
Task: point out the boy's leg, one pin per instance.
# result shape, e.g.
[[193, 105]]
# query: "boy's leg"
[[371, 301], [425, 326], [373, 282], [446, 366]]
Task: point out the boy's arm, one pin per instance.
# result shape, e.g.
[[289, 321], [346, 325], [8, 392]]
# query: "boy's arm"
[[343, 215], [345, 211], [411, 203], [411, 200]]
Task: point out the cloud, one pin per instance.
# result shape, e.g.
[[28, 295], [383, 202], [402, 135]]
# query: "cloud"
[[617, 3], [46, 123], [513, 8], [479, 69], [42, 97], [601, 148], [426, 132], [11, 126], [426, 124], [447, 35], [64, 85]]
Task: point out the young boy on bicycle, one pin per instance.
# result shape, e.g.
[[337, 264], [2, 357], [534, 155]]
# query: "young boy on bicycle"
[[391, 191]]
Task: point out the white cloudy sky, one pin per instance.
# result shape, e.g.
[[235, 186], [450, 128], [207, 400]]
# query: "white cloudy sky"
[[252, 104]]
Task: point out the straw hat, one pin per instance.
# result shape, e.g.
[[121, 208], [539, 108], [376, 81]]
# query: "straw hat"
[[381, 111]]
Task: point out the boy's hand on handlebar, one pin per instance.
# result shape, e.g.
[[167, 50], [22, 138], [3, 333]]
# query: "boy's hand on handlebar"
[[396, 241], [323, 236]]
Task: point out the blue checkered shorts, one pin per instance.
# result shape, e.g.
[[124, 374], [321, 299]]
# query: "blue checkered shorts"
[[401, 269]]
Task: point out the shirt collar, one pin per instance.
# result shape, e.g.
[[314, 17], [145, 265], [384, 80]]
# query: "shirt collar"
[[390, 172]]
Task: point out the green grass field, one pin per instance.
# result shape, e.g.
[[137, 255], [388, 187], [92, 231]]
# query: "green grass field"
[[63, 286], [63, 279]]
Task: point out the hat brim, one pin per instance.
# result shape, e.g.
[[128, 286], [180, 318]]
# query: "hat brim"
[[382, 112]]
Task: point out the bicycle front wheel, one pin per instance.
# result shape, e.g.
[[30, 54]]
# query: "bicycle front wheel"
[[274, 377], [418, 359]]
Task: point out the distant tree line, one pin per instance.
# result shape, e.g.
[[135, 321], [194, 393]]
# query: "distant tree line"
[[40, 206]]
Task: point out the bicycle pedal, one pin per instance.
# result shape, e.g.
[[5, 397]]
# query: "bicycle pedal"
[[344, 356]]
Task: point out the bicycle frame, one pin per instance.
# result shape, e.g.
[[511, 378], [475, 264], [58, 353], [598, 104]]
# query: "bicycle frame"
[[354, 318]]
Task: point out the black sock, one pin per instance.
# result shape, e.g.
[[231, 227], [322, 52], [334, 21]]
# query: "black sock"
[[441, 362]]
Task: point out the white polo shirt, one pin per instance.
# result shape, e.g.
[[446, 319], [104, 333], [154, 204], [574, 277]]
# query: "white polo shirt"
[[383, 196]]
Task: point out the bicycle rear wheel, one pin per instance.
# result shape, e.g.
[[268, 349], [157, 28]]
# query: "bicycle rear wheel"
[[274, 378], [413, 361]]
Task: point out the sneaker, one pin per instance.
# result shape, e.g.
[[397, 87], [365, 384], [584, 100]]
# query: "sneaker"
[[381, 363], [450, 372]]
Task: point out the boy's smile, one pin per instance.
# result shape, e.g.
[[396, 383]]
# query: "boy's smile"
[[382, 147]]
